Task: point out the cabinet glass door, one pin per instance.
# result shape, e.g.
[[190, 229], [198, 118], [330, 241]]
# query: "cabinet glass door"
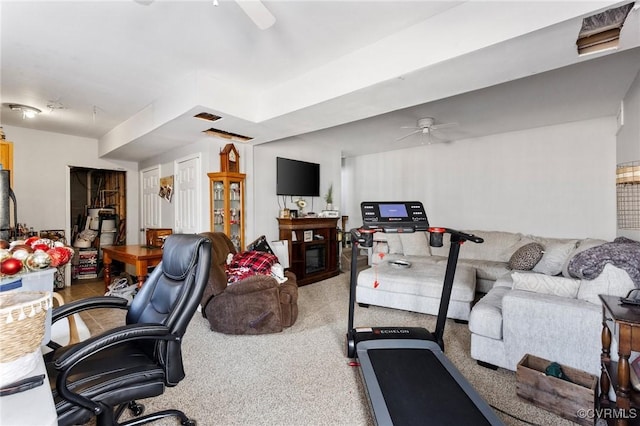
[[218, 206], [235, 213], [227, 205]]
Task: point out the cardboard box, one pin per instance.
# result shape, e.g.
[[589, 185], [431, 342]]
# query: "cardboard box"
[[564, 398]]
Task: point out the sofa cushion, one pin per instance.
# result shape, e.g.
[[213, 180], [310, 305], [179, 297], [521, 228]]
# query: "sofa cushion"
[[493, 247], [394, 244], [526, 257], [486, 269], [612, 281], [421, 279], [556, 252], [415, 244], [486, 316], [540, 283]]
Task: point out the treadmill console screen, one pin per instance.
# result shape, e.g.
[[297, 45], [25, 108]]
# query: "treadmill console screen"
[[393, 210], [394, 216]]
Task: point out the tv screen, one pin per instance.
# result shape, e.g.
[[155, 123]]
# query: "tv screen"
[[296, 177]]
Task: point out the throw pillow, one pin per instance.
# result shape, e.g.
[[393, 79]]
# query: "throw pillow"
[[545, 284], [612, 281], [556, 251], [526, 257]]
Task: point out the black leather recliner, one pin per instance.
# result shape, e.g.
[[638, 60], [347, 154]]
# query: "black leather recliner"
[[105, 374]]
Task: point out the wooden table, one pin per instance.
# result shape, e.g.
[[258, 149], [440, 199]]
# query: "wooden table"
[[140, 256], [622, 323]]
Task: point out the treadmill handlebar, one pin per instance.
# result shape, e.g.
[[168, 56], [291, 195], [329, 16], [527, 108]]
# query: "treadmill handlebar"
[[364, 236], [435, 236]]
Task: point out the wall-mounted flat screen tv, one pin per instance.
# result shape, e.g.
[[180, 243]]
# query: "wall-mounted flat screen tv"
[[296, 177]]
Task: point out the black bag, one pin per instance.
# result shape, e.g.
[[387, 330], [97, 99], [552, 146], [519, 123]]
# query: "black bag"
[[260, 244]]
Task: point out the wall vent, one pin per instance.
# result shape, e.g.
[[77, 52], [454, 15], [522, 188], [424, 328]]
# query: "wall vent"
[[227, 135], [207, 116], [601, 31]]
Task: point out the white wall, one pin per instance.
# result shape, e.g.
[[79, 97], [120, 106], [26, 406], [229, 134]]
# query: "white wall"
[[267, 203], [41, 162], [628, 138], [209, 150], [555, 181]]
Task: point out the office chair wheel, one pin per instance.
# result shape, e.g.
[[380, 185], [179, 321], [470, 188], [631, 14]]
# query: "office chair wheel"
[[136, 409]]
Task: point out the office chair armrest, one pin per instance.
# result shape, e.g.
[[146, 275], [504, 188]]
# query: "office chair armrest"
[[85, 304], [68, 309], [77, 353], [125, 333]]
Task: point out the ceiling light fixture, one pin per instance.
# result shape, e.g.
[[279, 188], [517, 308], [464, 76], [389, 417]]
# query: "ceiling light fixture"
[[26, 110]]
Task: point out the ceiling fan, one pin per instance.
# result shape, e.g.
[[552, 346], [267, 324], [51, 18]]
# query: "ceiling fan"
[[427, 128], [254, 9], [258, 13]]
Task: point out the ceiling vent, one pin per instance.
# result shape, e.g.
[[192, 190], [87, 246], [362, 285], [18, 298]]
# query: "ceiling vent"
[[227, 135], [207, 116], [601, 31]]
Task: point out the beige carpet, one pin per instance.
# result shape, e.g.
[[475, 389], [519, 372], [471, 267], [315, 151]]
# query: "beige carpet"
[[301, 376]]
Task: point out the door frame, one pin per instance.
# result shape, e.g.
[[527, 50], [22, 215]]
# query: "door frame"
[[142, 234], [176, 191]]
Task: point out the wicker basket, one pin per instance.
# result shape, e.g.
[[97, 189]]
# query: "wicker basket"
[[22, 322]]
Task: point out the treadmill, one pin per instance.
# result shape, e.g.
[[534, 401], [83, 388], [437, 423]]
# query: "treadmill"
[[408, 379]]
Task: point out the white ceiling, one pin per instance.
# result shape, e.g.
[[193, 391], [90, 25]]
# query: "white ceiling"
[[133, 73]]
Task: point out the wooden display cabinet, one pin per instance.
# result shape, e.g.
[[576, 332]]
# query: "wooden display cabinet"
[[313, 247], [226, 195]]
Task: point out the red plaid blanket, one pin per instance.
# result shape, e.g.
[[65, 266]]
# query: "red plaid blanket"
[[248, 263]]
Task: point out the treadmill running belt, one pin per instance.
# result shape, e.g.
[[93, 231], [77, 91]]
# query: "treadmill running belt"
[[418, 389]]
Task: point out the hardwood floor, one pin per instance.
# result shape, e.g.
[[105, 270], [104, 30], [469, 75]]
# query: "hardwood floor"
[[97, 320]]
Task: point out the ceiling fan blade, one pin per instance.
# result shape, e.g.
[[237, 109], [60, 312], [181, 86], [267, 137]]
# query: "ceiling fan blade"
[[443, 126], [258, 13], [406, 136]]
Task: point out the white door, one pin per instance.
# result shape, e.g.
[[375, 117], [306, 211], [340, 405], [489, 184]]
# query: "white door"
[[150, 214], [187, 192]]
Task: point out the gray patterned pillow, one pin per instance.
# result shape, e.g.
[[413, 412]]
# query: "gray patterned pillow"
[[526, 257]]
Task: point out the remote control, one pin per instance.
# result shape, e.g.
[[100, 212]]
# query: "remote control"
[[629, 301]]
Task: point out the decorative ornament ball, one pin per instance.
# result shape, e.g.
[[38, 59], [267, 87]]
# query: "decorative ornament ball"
[[11, 266], [4, 254], [59, 256], [21, 254], [38, 260]]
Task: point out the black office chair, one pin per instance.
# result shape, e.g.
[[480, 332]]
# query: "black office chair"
[[105, 374]]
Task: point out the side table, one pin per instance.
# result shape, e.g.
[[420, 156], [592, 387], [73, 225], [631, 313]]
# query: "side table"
[[142, 257], [32, 407], [622, 323]]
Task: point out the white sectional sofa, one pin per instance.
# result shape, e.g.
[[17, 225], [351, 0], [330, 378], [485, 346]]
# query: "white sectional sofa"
[[543, 312]]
